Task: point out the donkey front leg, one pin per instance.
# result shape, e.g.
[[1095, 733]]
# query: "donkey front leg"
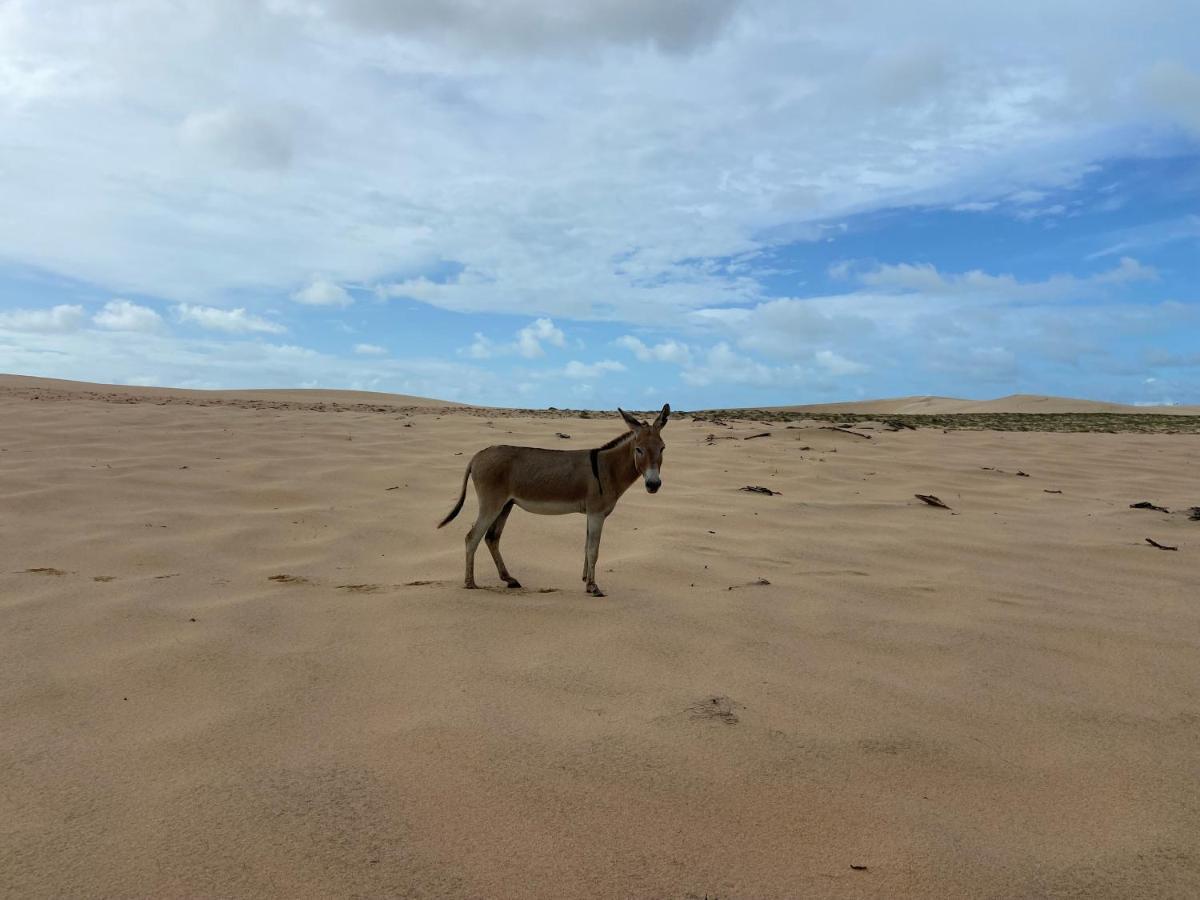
[[595, 526]]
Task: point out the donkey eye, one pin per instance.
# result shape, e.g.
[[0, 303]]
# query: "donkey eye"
[[637, 450]]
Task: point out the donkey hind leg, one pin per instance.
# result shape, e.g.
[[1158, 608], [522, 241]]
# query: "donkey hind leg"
[[493, 544], [595, 526], [489, 511]]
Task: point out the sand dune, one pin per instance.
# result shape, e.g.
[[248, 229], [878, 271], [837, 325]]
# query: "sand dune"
[[1015, 403], [237, 661], [49, 388]]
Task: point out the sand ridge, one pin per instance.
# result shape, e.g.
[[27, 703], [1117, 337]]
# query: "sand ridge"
[[237, 660], [1015, 403]]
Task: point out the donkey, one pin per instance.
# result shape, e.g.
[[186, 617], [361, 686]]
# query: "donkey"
[[555, 482]]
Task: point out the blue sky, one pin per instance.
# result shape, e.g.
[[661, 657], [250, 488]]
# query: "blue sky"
[[529, 203]]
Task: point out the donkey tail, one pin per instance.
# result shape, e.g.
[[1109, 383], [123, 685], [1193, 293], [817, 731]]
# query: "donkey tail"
[[462, 496]]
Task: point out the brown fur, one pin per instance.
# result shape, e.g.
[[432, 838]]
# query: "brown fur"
[[554, 482]]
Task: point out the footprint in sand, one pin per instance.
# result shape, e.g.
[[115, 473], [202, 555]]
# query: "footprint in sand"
[[289, 579], [43, 570], [360, 588], [716, 708], [104, 578], [888, 746]]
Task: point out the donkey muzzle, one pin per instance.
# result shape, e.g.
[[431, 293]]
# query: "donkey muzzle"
[[653, 482]]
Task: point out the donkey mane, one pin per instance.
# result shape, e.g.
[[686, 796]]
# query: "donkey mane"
[[620, 438], [594, 456]]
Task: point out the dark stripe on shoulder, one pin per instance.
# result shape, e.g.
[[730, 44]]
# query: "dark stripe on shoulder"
[[594, 456]]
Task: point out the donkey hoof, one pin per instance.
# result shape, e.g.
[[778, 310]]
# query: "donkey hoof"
[[595, 591], [471, 586], [513, 583]]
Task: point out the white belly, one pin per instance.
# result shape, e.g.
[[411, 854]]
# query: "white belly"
[[549, 507]]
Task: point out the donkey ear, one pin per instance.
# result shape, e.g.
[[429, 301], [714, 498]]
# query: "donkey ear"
[[662, 417], [630, 420]]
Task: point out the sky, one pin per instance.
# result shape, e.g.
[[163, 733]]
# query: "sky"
[[612, 202]]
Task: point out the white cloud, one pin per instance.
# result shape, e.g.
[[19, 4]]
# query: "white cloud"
[[370, 350], [722, 364], [531, 337], [668, 351], [841, 270], [1127, 270], [1175, 90], [119, 357], [481, 348], [976, 206], [923, 278], [250, 140], [528, 342], [790, 328], [836, 364], [321, 292], [233, 321], [58, 319], [1166, 359], [596, 183], [536, 26], [576, 369], [986, 364], [123, 315]]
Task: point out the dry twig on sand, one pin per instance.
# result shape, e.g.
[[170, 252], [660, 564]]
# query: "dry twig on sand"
[[759, 489], [1146, 504], [845, 430], [931, 500], [758, 582], [753, 436], [1153, 543]]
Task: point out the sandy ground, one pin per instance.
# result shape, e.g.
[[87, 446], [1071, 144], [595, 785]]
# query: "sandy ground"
[[236, 660]]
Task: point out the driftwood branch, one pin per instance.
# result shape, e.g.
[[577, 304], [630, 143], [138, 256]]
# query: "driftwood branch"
[[1153, 543]]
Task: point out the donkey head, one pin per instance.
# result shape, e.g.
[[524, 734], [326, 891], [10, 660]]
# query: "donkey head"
[[648, 446]]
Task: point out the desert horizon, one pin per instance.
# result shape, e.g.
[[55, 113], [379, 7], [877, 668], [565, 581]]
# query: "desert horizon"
[[1022, 404]]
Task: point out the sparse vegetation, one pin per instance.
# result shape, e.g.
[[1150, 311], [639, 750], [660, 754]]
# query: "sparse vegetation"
[[1113, 423]]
